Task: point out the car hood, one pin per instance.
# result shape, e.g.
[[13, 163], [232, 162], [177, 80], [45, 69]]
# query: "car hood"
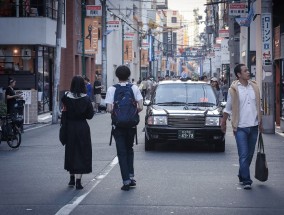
[[162, 110]]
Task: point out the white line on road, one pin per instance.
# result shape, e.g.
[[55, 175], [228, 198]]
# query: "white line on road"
[[68, 208]]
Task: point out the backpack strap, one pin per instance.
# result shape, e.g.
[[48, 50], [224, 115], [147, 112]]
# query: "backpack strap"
[[111, 134], [136, 135]]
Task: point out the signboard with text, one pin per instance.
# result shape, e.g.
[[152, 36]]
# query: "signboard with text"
[[93, 10], [266, 30], [113, 25], [238, 9]]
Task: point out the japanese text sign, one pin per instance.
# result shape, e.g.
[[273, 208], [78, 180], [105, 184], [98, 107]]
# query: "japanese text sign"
[[266, 29]]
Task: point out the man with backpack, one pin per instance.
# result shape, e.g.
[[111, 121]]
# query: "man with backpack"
[[124, 101]]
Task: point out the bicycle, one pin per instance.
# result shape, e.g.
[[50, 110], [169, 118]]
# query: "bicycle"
[[10, 130]]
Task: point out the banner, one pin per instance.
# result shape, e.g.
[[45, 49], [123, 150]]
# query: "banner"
[[91, 36], [144, 57], [128, 51]]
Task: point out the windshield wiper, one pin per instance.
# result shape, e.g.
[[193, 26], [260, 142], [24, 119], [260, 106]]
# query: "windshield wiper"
[[171, 103], [203, 104]]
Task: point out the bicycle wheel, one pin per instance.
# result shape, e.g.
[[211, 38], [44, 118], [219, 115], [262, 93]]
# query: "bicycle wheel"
[[14, 140]]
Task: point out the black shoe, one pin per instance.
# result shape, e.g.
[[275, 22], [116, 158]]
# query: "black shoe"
[[72, 181], [78, 184], [132, 183], [125, 187]]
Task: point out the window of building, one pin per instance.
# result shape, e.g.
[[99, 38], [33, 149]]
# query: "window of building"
[[174, 20], [30, 8]]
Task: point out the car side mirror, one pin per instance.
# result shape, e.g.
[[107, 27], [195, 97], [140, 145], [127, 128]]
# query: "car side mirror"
[[147, 103]]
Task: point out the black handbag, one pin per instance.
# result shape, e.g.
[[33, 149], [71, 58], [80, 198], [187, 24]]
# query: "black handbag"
[[261, 169], [63, 128]]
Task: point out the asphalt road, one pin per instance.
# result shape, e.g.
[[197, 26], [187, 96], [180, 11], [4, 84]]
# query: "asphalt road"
[[173, 179]]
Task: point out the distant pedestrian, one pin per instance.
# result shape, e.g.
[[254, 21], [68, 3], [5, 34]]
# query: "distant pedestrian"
[[225, 88], [244, 106], [217, 90], [78, 148], [98, 92], [124, 136]]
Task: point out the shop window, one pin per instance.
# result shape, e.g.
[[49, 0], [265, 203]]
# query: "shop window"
[[16, 60]]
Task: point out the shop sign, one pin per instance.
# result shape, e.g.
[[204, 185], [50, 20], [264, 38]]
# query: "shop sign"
[[129, 36], [277, 51], [113, 25], [223, 33], [93, 10], [238, 9], [266, 29], [128, 51], [91, 36]]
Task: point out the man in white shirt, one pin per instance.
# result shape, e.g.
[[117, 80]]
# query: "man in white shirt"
[[244, 106], [124, 137]]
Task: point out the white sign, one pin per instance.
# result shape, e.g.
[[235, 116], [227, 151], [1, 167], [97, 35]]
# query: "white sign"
[[238, 9], [27, 96], [93, 10], [266, 39], [113, 25], [225, 54], [223, 33], [129, 36]]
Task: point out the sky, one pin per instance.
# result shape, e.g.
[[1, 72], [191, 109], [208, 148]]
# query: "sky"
[[185, 7]]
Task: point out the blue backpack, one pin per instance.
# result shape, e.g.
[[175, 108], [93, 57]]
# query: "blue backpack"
[[125, 112]]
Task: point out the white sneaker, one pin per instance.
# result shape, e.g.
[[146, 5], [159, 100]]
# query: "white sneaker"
[[247, 187]]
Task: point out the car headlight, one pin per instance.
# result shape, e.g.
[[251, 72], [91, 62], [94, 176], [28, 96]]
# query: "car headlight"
[[212, 121], [157, 120]]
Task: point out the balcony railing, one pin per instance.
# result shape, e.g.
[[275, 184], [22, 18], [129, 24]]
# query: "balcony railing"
[[30, 10]]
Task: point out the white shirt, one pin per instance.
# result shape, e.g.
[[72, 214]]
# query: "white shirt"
[[110, 93], [247, 106]]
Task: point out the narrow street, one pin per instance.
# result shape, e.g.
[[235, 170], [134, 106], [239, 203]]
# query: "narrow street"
[[170, 180]]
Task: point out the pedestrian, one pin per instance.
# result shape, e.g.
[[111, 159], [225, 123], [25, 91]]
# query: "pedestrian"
[[224, 89], [124, 137], [144, 86], [244, 107], [89, 90], [98, 92], [11, 97], [78, 148], [218, 92]]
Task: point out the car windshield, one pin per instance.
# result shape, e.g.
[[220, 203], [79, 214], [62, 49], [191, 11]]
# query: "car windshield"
[[185, 94]]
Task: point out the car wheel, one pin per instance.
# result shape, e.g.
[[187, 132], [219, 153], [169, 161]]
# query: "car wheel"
[[220, 147], [149, 145]]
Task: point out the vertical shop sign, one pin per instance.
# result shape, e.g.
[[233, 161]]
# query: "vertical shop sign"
[[266, 39], [128, 51], [91, 36]]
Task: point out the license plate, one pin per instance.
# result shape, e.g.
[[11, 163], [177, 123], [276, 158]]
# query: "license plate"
[[185, 134]]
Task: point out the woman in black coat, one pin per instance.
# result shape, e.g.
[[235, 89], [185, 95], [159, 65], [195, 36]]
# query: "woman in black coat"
[[78, 147]]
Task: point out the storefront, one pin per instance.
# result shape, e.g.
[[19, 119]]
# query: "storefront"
[[32, 68]]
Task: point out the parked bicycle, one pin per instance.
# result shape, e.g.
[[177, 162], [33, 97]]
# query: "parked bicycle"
[[10, 130]]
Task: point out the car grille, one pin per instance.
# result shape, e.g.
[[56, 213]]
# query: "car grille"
[[186, 121]]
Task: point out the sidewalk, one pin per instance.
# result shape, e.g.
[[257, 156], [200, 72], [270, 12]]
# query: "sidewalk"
[[43, 120]]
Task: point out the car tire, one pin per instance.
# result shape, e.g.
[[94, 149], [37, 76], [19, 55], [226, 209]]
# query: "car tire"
[[149, 145], [220, 147]]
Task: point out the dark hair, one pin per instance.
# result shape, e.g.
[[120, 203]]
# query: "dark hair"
[[238, 69], [86, 79], [78, 86], [11, 80], [122, 73]]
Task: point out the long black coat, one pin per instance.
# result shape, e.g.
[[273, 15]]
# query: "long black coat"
[[78, 148]]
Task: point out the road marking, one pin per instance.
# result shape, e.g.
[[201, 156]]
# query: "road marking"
[[68, 208]]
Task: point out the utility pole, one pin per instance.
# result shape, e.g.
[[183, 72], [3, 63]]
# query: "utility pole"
[[55, 106], [248, 42], [267, 69], [122, 42], [104, 44], [83, 15]]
